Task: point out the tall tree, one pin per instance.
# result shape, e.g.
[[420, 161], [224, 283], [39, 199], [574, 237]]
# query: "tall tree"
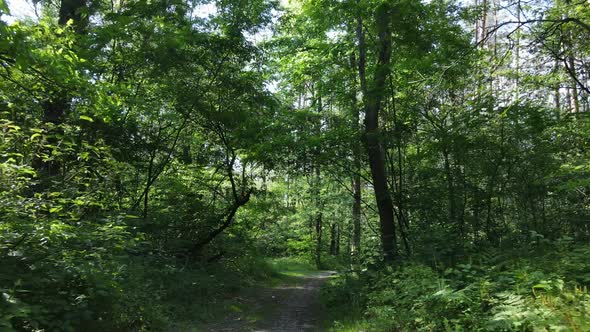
[[373, 96]]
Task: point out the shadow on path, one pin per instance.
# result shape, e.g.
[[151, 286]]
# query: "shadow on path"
[[286, 308]]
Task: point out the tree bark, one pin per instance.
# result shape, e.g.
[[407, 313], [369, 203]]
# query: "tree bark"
[[318, 220], [333, 236], [229, 217], [356, 220], [450, 187], [484, 19], [576, 103], [401, 213], [373, 97], [356, 178], [318, 239]]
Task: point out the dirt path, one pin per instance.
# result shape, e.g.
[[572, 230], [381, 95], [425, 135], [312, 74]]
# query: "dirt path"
[[288, 308]]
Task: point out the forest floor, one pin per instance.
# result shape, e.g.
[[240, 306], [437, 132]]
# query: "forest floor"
[[292, 305]]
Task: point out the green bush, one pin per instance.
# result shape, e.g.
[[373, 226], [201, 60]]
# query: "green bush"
[[521, 294]]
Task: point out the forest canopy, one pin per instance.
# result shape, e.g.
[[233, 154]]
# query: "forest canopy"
[[154, 155]]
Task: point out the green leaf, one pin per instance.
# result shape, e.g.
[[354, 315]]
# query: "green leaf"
[[86, 118], [4, 7], [542, 286], [55, 209]]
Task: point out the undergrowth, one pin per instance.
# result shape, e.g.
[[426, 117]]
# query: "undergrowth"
[[173, 297], [492, 291], [151, 293]]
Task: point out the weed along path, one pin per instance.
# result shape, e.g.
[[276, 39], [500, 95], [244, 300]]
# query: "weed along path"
[[292, 306]]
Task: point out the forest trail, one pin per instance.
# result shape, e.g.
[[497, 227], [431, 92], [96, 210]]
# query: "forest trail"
[[293, 306]]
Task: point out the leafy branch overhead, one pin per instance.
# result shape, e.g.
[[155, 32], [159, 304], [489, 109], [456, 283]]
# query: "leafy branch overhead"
[[163, 162]]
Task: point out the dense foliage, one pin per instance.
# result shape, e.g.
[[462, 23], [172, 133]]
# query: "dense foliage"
[[540, 290], [153, 153]]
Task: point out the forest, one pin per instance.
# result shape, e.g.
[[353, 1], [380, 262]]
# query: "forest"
[[166, 165]]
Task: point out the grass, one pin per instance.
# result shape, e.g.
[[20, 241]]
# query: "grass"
[[344, 308], [349, 326], [289, 270], [293, 266]]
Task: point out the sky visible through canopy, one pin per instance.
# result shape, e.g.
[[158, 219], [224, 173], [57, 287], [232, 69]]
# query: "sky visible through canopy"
[[20, 9]]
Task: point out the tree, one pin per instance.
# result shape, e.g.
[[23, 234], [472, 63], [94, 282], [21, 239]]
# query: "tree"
[[373, 95]]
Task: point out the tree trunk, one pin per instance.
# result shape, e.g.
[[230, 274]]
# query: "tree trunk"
[[356, 179], [318, 220], [450, 188], [484, 19], [318, 240], [373, 97], [575, 100], [75, 10], [401, 213], [356, 220], [54, 109], [337, 248], [556, 93], [228, 219], [333, 238]]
